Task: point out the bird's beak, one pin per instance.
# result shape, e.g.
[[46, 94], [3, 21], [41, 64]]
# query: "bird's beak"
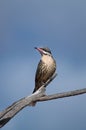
[[39, 49]]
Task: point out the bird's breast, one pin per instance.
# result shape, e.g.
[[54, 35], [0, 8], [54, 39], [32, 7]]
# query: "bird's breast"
[[48, 61]]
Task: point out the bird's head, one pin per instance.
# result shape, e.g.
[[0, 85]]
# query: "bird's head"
[[44, 51]]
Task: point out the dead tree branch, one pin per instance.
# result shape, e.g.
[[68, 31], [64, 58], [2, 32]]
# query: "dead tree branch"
[[12, 110], [62, 95], [38, 96]]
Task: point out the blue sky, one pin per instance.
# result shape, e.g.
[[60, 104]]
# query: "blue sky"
[[60, 25]]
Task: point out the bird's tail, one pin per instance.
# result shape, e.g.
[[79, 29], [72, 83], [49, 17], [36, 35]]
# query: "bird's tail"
[[35, 89]]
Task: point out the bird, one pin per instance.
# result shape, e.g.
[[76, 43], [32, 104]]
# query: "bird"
[[46, 67]]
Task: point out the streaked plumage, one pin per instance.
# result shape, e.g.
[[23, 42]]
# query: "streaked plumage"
[[46, 68]]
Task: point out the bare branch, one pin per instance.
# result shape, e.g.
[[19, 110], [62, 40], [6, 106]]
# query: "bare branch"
[[62, 95], [38, 96], [12, 110]]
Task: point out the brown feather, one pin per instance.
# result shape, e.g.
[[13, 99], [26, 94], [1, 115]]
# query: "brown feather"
[[46, 68]]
